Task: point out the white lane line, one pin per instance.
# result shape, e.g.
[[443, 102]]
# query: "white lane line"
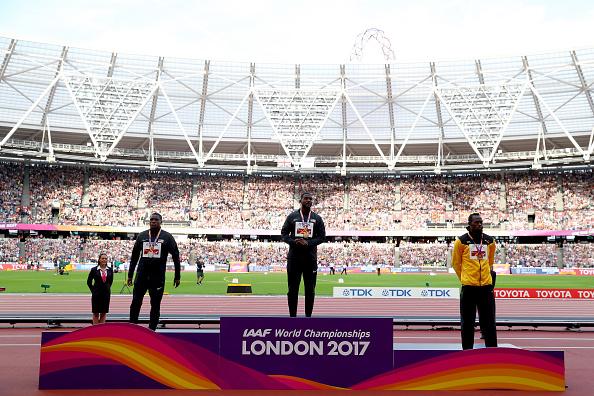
[[555, 347], [20, 336]]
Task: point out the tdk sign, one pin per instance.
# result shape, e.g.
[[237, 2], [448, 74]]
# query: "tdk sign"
[[396, 292], [443, 293], [366, 292]]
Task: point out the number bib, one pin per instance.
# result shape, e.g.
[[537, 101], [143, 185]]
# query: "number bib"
[[303, 229], [151, 250], [477, 252]]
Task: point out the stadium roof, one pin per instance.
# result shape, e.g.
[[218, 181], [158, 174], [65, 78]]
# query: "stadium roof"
[[70, 104]]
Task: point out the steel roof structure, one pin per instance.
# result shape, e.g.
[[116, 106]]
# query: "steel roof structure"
[[67, 104]]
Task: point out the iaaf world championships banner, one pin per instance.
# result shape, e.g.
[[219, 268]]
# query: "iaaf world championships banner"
[[354, 349]]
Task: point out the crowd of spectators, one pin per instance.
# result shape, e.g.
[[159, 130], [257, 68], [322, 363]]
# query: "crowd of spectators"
[[578, 255], [40, 250], [356, 254], [372, 203], [171, 193], [217, 202], [117, 250], [578, 191], [55, 187], [380, 202], [269, 200], [328, 192], [533, 255], [211, 252], [11, 191], [9, 250], [424, 254], [45, 250]]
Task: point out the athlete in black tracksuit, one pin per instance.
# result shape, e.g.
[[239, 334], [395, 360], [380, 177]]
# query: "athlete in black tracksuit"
[[150, 253], [302, 259]]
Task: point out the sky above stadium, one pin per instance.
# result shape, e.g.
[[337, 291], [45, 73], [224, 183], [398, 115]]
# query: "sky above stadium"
[[304, 31]]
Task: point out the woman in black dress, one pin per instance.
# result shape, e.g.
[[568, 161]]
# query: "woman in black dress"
[[99, 282]]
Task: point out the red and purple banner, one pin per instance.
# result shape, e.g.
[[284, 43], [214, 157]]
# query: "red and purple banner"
[[125, 356]]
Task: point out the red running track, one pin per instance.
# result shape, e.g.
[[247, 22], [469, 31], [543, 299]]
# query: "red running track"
[[19, 348]]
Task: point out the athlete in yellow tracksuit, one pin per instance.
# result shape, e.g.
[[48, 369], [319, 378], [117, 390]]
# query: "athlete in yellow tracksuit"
[[472, 259]]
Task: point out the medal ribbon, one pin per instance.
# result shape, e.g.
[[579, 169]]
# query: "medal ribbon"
[[479, 249], [308, 216], [151, 242]]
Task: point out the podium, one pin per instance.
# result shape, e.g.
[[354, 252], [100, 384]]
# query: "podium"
[[274, 353], [239, 288]]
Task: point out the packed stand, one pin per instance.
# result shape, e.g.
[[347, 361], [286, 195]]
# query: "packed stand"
[[270, 200], [356, 254], [9, 250], [11, 192], [116, 250], [578, 190], [218, 202], [113, 198], [535, 255], [170, 194], [532, 192], [424, 200], [424, 254], [478, 193], [328, 193], [56, 186], [578, 219], [372, 203], [266, 253], [578, 255], [48, 250], [578, 200], [210, 252]]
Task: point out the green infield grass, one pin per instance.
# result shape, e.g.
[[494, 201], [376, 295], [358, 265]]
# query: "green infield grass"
[[275, 283]]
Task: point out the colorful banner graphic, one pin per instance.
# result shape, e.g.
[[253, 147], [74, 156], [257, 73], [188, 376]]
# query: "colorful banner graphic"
[[238, 266], [487, 368], [396, 292], [580, 294], [501, 268], [125, 356]]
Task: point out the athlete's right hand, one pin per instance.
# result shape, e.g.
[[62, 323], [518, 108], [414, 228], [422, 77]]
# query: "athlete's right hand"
[[129, 283]]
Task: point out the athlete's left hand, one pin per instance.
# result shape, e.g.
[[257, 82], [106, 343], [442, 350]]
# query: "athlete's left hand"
[[176, 282]]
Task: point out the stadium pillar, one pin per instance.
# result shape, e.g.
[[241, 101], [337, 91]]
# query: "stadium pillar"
[[85, 193], [396, 256], [26, 197], [22, 255]]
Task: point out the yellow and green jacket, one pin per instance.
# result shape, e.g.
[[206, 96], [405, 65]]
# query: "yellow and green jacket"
[[473, 263]]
